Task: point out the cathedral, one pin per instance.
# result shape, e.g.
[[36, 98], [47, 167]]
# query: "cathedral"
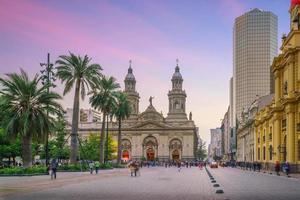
[[148, 135]]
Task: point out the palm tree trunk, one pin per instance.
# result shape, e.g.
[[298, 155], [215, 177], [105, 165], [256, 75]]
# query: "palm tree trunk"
[[26, 151], [101, 159], [119, 142], [75, 119]]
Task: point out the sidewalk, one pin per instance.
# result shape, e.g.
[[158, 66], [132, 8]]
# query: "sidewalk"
[[291, 175]]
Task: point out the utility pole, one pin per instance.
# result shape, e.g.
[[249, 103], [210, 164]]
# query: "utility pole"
[[48, 77]]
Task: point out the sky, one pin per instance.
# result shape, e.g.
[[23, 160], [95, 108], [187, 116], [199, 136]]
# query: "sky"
[[151, 33]]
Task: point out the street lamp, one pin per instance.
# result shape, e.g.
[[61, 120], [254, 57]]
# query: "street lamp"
[[48, 77]]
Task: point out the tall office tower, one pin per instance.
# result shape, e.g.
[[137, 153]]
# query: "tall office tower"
[[254, 47]]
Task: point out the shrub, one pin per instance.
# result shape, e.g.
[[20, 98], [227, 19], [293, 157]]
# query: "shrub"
[[22, 171]]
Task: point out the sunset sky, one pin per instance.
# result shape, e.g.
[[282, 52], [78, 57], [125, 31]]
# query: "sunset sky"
[[152, 33]]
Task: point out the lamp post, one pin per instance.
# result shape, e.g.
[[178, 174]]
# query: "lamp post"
[[48, 77]]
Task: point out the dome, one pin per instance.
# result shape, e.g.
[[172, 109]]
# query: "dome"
[[130, 75], [177, 74], [295, 3]]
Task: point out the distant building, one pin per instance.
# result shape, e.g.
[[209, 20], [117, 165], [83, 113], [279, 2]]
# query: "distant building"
[[215, 147], [246, 129], [254, 47], [85, 115], [149, 135], [226, 137]]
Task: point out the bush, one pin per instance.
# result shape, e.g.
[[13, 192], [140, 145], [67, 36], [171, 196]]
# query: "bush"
[[22, 171], [73, 167], [115, 165], [106, 166]]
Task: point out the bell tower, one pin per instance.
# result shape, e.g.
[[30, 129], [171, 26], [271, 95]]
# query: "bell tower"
[[177, 97], [132, 94]]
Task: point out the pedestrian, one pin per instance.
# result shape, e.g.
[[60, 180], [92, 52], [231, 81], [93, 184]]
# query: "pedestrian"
[[91, 166], [277, 167], [97, 166], [287, 168], [179, 166], [53, 167]]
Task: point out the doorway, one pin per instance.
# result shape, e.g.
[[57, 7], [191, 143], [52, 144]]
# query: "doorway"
[[150, 154]]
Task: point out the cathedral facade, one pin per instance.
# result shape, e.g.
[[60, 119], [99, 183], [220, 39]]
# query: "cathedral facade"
[[149, 135]]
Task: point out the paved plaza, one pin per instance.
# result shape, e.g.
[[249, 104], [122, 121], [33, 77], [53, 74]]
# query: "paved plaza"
[[153, 184]]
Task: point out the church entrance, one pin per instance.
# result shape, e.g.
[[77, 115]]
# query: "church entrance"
[[125, 155], [150, 154], [175, 155]]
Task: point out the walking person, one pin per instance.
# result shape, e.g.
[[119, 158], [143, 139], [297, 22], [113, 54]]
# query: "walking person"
[[179, 166], [277, 168], [53, 167], [97, 166], [91, 166], [287, 168]]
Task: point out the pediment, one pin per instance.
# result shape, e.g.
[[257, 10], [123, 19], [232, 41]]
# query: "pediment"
[[151, 125]]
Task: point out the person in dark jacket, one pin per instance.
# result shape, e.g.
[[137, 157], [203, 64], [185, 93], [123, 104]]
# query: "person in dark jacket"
[[53, 167], [277, 167], [287, 168]]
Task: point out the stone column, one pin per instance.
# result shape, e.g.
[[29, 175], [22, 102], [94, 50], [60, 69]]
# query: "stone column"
[[277, 137], [291, 135], [277, 88]]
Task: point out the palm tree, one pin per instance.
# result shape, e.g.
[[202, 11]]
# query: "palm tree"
[[122, 111], [103, 98], [25, 105], [76, 70]]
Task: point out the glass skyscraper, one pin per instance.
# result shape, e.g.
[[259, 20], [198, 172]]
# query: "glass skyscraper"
[[254, 47]]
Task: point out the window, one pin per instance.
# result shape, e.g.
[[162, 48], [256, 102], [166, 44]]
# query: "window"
[[258, 153], [271, 152], [283, 124], [270, 136], [258, 140], [264, 153]]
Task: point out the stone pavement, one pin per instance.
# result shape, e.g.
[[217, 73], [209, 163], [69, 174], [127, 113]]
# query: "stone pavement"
[[153, 184], [248, 185]]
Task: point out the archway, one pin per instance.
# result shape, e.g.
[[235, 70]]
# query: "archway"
[[150, 148], [125, 155], [175, 148], [175, 155], [126, 150], [150, 154]]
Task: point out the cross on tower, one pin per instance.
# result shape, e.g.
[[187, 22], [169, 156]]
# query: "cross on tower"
[[130, 63], [177, 61]]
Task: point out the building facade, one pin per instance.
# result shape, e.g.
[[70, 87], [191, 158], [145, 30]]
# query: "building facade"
[[254, 47], [246, 129], [149, 135], [277, 126], [226, 138], [215, 147]]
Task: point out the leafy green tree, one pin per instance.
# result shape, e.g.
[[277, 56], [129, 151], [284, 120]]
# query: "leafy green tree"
[[91, 145], [58, 147], [25, 105], [121, 111], [104, 98], [201, 152], [77, 70], [9, 149]]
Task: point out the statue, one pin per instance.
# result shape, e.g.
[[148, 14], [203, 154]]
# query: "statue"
[[150, 100], [191, 116]]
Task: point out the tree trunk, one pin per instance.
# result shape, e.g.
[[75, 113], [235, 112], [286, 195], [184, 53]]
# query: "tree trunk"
[[26, 151], [101, 159], [119, 142], [75, 119]]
